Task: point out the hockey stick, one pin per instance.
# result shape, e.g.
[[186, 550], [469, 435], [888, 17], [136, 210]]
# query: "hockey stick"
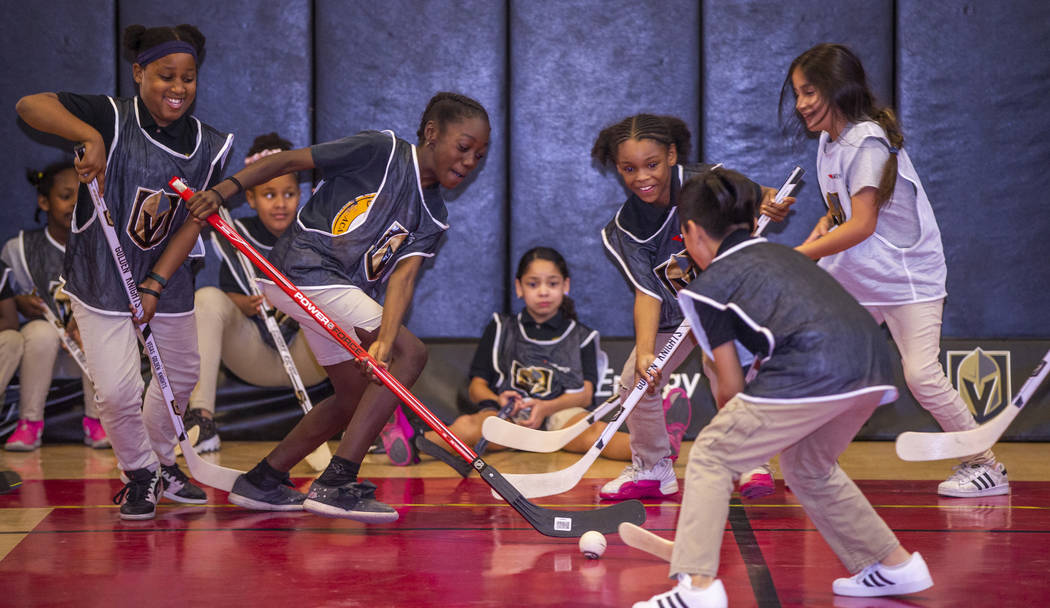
[[502, 416], [511, 435], [319, 458], [960, 444], [204, 472], [556, 482], [785, 191], [644, 540], [68, 342], [546, 521]]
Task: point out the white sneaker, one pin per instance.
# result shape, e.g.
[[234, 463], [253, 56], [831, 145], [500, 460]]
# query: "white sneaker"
[[875, 580], [636, 482], [757, 483], [684, 595], [972, 479]]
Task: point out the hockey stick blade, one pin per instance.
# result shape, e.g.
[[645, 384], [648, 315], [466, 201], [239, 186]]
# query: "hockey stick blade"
[[506, 433], [565, 524], [644, 540], [545, 521], [916, 446], [784, 192]]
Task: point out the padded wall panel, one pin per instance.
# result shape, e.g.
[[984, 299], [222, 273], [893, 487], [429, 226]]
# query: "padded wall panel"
[[52, 46], [577, 67], [256, 76], [975, 104], [377, 66], [748, 47]]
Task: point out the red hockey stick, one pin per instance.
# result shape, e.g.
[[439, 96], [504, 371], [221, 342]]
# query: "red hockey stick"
[[545, 521]]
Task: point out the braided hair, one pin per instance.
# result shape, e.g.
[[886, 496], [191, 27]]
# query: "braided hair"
[[666, 130], [444, 108]]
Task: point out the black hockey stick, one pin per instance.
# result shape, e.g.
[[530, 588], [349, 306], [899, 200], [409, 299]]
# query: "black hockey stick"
[[546, 521]]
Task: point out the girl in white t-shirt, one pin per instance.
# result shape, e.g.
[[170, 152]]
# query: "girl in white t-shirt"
[[880, 238]]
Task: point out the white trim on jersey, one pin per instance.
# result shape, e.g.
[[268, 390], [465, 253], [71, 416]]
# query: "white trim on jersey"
[[889, 396], [495, 348], [674, 212], [3, 278], [419, 186], [556, 340], [196, 146], [23, 274], [627, 270], [216, 243], [113, 313]]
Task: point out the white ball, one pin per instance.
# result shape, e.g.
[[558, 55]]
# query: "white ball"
[[592, 544]]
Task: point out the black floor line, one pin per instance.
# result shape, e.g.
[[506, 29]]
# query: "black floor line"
[[757, 570]]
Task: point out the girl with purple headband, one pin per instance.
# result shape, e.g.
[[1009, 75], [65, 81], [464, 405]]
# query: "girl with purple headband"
[[133, 146]]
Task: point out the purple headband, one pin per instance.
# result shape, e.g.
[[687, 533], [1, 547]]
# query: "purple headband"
[[164, 49]]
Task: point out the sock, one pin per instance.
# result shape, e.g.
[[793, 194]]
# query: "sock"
[[340, 472], [265, 477]]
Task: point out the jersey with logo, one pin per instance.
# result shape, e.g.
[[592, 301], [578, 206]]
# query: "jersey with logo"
[[370, 212], [36, 266], [233, 278], [540, 369], [877, 271], [648, 247], [811, 337], [144, 213]]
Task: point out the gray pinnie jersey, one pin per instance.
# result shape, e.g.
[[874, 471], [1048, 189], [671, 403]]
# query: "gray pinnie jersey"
[[649, 247], [540, 369], [232, 277], [36, 262], [144, 213], [815, 339], [369, 212]]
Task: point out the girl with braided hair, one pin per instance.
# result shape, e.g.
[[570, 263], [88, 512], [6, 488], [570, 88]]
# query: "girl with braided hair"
[[649, 153], [880, 238], [377, 214]]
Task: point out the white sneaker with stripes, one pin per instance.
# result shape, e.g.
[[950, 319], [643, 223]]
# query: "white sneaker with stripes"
[[684, 595], [876, 580], [973, 479]]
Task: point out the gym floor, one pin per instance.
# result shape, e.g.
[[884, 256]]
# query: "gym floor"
[[62, 542]]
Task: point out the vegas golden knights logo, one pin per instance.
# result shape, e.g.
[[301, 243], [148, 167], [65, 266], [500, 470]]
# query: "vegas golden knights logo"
[[838, 216], [63, 310], [379, 256], [151, 217], [535, 381], [677, 272], [982, 378]]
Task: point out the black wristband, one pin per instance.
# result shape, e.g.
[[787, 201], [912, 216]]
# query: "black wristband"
[[222, 199], [143, 290], [156, 277], [240, 187]]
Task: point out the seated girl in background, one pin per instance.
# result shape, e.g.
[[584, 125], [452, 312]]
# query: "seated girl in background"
[[229, 328], [35, 258]]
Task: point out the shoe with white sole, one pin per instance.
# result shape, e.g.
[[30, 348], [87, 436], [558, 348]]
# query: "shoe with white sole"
[[877, 580], [757, 483], [637, 482], [974, 479], [684, 595]]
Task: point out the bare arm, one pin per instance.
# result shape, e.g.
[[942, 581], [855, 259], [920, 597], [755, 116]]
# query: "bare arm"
[[400, 287], [206, 202], [8, 314], [44, 112], [864, 217], [727, 370], [175, 252]]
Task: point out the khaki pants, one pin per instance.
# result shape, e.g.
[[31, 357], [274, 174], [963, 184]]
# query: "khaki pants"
[[11, 346], [649, 441], [225, 334], [43, 361], [809, 436]]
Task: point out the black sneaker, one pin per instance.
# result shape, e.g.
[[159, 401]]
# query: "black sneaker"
[[207, 433], [139, 496], [283, 497], [178, 487], [354, 500], [435, 451]]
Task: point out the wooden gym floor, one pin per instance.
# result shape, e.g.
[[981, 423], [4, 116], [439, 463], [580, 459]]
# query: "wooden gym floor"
[[63, 544]]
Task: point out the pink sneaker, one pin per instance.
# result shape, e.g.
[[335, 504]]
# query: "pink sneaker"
[[678, 411], [637, 482], [397, 440], [757, 483], [94, 434], [26, 437]]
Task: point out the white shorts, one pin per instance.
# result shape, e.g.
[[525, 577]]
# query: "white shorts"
[[348, 307]]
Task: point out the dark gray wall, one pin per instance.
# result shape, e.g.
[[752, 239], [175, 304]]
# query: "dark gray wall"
[[971, 81]]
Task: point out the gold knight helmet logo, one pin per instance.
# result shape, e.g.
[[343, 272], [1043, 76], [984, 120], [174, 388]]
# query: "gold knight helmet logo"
[[982, 379], [534, 380]]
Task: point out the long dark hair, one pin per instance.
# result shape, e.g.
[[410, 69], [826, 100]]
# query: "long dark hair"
[[837, 73], [665, 130], [568, 307], [719, 200]]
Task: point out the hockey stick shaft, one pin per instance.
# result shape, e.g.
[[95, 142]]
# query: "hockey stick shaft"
[[503, 414], [784, 192], [545, 521], [205, 472], [69, 343], [319, 458], [914, 446]]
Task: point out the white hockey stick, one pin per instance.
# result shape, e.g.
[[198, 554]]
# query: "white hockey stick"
[[69, 343], [556, 482], [319, 458], [205, 472], [506, 433], [644, 540], [960, 444], [784, 192]]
